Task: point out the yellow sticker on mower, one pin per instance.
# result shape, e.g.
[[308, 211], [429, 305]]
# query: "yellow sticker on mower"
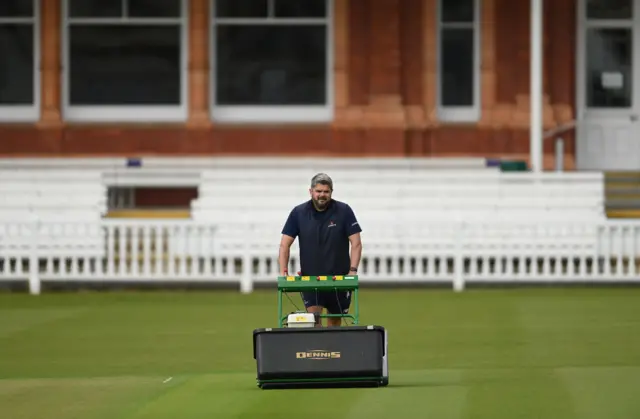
[[306, 278], [291, 278]]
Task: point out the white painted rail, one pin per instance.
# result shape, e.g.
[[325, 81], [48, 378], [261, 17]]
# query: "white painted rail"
[[456, 253]]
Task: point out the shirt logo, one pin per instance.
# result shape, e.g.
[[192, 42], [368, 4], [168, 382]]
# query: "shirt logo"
[[332, 224]]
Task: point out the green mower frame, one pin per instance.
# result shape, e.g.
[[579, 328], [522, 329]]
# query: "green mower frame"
[[282, 354], [320, 283]]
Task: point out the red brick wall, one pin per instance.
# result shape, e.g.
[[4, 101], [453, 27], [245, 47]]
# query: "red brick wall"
[[512, 50], [385, 74]]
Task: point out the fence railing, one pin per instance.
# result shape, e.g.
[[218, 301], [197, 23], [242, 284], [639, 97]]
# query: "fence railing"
[[456, 253]]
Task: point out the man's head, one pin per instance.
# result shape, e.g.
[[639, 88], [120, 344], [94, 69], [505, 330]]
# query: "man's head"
[[320, 190]]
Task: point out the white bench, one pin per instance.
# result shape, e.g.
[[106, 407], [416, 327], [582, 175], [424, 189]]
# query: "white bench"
[[65, 205], [346, 175], [274, 178], [50, 175], [57, 186], [424, 186], [248, 181], [54, 238], [474, 239], [22, 199], [411, 204], [253, 195], [100, 163], [185, 171], [278, 180]]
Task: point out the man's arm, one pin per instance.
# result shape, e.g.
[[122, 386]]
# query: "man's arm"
[[353, 231], [289, 234], [356, 251], [283, 255]]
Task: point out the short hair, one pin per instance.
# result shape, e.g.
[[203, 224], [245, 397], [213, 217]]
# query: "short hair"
[[323, 179]]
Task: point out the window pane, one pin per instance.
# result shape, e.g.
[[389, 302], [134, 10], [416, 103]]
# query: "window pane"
[[241, 8], [124, 65], [610, 9], [609, 68], [154, 8], [95, 8], [16, 8], [458, 10], [457, 67], [271, 65], [16, 66], [298, 8]]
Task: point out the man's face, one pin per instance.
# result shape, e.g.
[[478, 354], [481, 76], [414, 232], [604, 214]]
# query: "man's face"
[[320, 195]]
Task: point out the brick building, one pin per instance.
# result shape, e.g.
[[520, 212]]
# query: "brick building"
[[320, 77]]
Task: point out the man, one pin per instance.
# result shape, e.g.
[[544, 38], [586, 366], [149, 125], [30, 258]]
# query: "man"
[[325, 228]]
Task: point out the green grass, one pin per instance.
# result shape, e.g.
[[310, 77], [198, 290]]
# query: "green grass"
[[494, 354]]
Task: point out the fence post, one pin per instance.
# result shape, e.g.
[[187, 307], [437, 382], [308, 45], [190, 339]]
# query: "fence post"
[[34, 270], [246, 280], [458, 259]]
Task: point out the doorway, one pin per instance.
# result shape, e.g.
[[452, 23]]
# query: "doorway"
[[608, 90]]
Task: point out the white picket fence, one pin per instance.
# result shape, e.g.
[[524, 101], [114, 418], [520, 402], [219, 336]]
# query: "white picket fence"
[[458, 253]]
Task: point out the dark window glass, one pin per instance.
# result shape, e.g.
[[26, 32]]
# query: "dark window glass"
[[16, 8], [154, 8], [457, 67], [124, 65], [271, 65], [457, 10], [298, 8], [610, 9], [132, 8], [241, 8], [95, 8], [16, 65], [609, 68]]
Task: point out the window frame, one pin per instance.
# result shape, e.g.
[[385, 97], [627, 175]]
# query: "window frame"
[[276, 114], [126, 113], [461, 113], [584, 23], [27, 113]]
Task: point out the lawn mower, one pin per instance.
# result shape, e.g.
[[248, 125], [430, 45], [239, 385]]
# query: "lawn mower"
[[298, 354]]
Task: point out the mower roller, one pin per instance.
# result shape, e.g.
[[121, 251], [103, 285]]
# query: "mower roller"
[[297, 354]]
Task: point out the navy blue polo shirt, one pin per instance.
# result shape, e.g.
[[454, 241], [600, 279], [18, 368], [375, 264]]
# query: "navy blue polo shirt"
[[323, 237]]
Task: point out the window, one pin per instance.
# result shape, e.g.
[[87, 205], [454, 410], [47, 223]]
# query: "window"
[[125, 60], [609, 65], [272, 61], [19, 47], [459, 61]]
